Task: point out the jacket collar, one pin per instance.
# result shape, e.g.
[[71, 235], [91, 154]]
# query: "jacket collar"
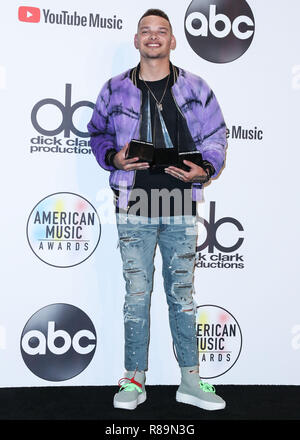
[[133, 73]]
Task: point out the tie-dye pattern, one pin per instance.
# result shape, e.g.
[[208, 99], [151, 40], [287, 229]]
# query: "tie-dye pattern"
[[116, 120]]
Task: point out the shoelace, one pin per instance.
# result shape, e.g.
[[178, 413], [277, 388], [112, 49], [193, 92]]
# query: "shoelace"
[[207, 387], [131, 385]]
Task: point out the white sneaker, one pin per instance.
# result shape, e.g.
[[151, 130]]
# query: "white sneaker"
[[195, 392], [132, 390]]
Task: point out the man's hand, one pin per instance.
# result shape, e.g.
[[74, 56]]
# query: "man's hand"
[[124, 164], [196, 173]]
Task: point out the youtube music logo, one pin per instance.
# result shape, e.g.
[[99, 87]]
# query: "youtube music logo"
[[29, 14]]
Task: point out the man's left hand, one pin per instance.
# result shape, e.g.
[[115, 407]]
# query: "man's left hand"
[[195, 174]]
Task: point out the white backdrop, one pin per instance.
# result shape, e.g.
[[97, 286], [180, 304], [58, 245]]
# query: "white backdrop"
[[68, 293]]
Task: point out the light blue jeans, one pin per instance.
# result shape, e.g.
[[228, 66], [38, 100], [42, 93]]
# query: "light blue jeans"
[[177, 242]]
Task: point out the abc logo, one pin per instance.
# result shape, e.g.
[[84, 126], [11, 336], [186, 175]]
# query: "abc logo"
[[58, 342], [219, 31]]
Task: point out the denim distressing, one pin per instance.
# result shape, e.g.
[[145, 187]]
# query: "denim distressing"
[[176, 238]]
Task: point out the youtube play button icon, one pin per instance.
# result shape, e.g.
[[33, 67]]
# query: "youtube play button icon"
[[29, 14]]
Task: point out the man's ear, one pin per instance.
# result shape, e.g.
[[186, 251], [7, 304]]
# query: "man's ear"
[[136, 45], [173, 43]]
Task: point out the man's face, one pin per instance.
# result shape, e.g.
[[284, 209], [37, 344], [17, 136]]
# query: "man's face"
[[154, 38]]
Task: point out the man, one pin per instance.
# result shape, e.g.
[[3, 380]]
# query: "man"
[[176, 111]]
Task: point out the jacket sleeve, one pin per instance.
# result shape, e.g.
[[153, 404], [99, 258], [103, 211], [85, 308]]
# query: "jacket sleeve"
[[101, 128], [214, 142]]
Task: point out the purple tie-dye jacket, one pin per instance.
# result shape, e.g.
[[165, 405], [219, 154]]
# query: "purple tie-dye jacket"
[[116, 120]]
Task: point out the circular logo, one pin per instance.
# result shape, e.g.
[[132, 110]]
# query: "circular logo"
[[63, 229], [219, 31], [219, 340], [58, 342]]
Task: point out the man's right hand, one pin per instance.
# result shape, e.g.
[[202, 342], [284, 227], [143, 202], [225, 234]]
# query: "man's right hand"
[[124, 164]]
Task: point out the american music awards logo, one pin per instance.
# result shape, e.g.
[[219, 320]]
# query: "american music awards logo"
[[63, 229]]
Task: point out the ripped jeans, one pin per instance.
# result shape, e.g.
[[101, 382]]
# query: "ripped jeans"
[[177, 243]]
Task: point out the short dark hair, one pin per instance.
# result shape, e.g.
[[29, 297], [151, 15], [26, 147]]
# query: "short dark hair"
[[157, 12]]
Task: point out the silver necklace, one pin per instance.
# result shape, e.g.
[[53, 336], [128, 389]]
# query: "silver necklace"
[[158, 103]]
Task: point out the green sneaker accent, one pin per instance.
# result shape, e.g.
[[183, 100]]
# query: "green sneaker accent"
[[207, 387], [130, 387], [194, 391], [132, 390]]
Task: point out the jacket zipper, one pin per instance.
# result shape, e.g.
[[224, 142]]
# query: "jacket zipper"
[[134, 176], [178, 108]]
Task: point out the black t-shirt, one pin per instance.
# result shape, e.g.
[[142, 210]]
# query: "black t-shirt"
[[157, 185]]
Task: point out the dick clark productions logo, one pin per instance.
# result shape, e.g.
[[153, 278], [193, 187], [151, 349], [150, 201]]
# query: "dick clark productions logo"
[[58, 342], [63, 229], [219, 31]]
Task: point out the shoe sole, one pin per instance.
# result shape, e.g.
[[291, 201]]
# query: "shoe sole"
[[192, 400], [130, 405]]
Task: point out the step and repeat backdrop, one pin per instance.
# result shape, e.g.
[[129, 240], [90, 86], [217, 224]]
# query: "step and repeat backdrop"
[[62, 289]]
